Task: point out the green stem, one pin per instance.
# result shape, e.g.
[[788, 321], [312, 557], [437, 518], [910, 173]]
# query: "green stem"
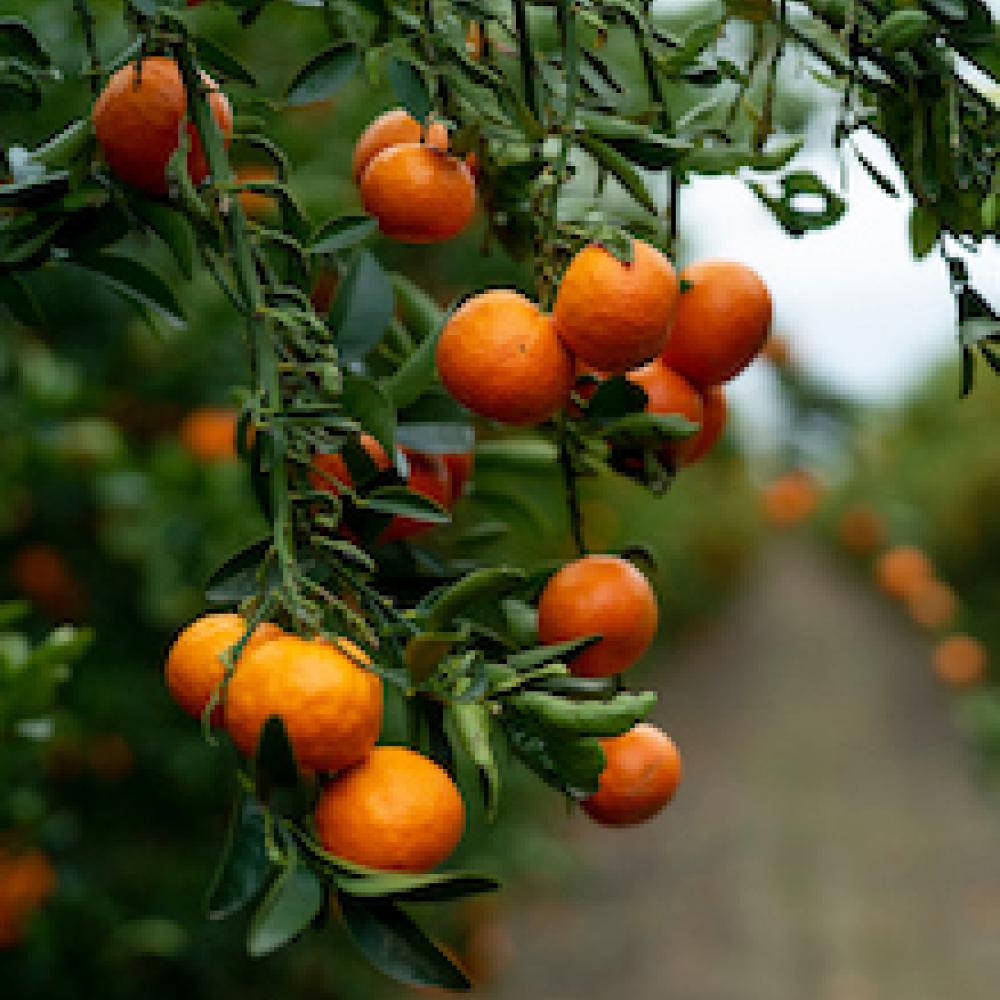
[[567, 464], [524, 52], [83, 12]]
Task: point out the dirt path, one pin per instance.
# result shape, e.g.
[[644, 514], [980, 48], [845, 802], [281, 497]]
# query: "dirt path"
[[828, 843]]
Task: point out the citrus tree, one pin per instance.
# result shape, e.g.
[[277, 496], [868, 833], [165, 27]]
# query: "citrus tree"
[[354, 671]]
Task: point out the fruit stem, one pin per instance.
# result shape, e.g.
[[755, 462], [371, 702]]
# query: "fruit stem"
[[568, 466]]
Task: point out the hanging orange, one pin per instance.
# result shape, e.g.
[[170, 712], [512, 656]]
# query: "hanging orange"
[[392, 129]]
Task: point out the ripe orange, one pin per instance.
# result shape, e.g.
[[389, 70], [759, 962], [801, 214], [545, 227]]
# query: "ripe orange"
[[861, 529], [334, 467], [901, 570], [932, 604], [393, 129], [27, 879], [712, 426], [331, 706], [599, 595], [459, 466], [960, 660], [255, 204], [791, 498], [670, 393], [137, 118], [209, 434], [40, 573], [428, 476], [615, 316], [722, 321], [418, 193], [194, 668], [499, 355], [395, 810], [641, 776]]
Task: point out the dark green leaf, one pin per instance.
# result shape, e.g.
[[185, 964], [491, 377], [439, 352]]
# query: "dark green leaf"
[[434, 887], [172, 227], [289, 907], [18, 299], [409, 87], [398, 500], [393, 943], [363, 308], [614, 398], [244, 866], [342, 233], [637, 429], [613, 161], [277, 776], [366, 401], [38, 191], [471, 721], [530, 658], [324, 74], [222, 63], [135, 282], [229, 583], [924, 230], [19, 41]]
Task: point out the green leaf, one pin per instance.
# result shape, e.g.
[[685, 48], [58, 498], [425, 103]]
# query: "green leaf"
[[613, 161], [614, 398], [795, 217], [289, 907], [222, 63], [435, 887], [19, 300], [275, 770], [244, 866], [414, 375], [398, 500], [409, 87], [486, 584], [902, 29], [36, 191], [362, 309], [171, 227], [562, 651], [589, 717], [19, 41], [230, 582], [471, 722], [924, 230], [638, 429], [342, 233], [324, 74], [394, 944], [367, 402], [135, 282], [570, 764], [425, 651], [418, 310]]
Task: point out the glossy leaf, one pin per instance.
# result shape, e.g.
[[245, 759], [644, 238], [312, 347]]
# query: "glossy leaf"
[[290, 906], [135, 282], [244, 866], [324, 74], [362, 309]]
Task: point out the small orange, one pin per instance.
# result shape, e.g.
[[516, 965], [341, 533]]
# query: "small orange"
[[194, 667], [209, 434], [331, 706], [712, 426], [255, 204], [722, 321], [499, 355], [960, 660], [40, 573], [396, 810], [670, 393], [599, 595], [428, 476], [334, 467], [901, 570], [861, 529], [27, 879], [418, 193], [393, 129], [615, 316], [932, 604], [791, 498], [641, 776], [137, 118]]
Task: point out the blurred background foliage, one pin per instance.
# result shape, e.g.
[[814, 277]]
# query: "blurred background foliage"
[[115, 505]]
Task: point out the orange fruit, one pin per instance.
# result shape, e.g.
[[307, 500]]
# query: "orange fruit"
[[27, 879], [712, 425], [396, 810], [40, 573], [791, 498], [209, 433], [331, 706], [394, 128], [418, 193], [670, 393], [932, 603], [499, 355], [960, 660], [194, 667], [599, 595], [861, 529], [428, 476], [137, 118], [901, 570], [640, 777], [334, 467], [722, 321], [615, 316], [255, 204], [459, 466]]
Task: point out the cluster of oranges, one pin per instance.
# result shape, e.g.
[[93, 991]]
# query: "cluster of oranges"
[[907, 574], [27, 879], [385, 807], [409, 182]]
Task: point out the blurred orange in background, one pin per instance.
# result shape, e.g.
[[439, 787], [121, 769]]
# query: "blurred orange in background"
[[791, 498], [209, 434]]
